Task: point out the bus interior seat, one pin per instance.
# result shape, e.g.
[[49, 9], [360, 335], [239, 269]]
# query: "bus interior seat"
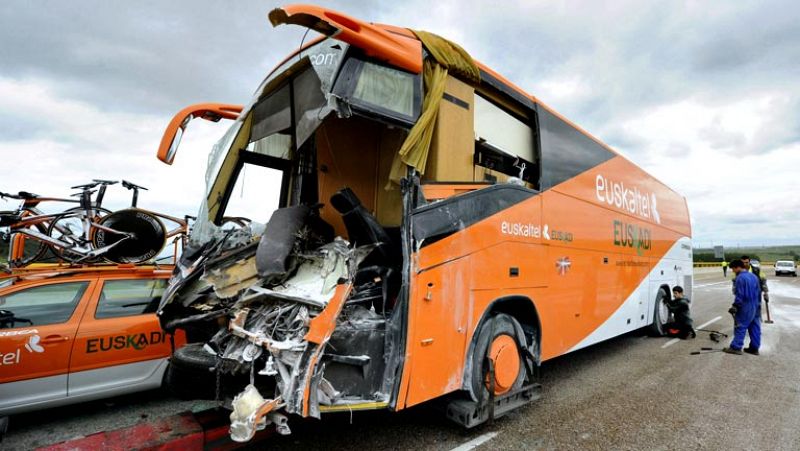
[[376, 282], [362, 227]]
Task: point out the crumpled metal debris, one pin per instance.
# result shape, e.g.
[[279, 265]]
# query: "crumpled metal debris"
[[275, 324], [249, 415]]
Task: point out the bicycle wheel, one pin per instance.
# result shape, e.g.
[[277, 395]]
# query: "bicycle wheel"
[[234, 222], [32, 249], [149, 236], [68, 227]]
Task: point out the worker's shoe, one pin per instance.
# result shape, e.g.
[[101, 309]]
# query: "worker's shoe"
[[749, 350], [732, 351]]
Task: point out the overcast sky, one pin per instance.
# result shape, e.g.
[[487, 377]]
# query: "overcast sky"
[[703, 94]]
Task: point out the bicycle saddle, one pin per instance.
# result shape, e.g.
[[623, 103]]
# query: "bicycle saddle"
[[105, 182], [130, 185], [27, 195]]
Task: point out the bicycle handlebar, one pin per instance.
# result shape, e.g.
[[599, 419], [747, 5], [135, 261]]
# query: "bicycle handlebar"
[[94, 183], [105, 182], [86, 186], [130, 185]]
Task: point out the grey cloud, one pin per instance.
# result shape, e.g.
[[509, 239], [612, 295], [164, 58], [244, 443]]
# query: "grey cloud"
[[16, 129], [718, 137], [150, 56]]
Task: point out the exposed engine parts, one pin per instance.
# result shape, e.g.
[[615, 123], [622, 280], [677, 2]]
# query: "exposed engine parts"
[[282, 313]]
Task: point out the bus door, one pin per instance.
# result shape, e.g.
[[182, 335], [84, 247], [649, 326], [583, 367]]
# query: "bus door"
[[438, 308]]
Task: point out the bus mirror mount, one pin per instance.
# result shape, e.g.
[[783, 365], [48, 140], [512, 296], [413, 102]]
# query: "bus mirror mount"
[[213, 112]]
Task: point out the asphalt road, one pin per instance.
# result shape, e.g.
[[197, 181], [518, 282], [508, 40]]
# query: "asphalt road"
[[632, 392]]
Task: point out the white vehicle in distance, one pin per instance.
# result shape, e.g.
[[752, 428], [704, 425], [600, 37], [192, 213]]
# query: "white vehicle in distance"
[[785, 267]]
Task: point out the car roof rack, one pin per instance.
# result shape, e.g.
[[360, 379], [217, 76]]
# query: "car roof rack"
[[48, 270]]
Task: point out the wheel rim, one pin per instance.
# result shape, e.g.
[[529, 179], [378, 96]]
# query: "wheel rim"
[[663, 312], [503, 352], [149, 236]]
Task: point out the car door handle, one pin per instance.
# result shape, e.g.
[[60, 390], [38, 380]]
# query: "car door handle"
[[53, 339]]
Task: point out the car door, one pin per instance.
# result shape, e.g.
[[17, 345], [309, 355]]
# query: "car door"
[[37, 330], [120, 346]]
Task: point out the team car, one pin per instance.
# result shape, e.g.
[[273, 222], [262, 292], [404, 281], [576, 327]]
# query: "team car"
[[785, 267], [69, 335]]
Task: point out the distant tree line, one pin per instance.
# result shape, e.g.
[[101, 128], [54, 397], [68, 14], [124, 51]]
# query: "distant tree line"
[[707, 257]]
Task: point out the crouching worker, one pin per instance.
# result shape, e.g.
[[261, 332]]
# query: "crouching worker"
[[678, 306], [746, 310]]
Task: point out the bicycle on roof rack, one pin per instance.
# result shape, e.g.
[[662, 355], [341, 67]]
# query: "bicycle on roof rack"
[[148, 227], [28, 249], [89, 232]]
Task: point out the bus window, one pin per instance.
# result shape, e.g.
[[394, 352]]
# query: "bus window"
[[256, 193], [272, 115], [502, 130], [503, 144], [388, 92], [566, 152]]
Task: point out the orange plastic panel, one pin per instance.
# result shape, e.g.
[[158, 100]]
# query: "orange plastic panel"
[[208, 111], [397, 50]]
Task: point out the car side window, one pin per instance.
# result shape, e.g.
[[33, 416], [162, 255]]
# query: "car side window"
[[41, 305], [129, 297]]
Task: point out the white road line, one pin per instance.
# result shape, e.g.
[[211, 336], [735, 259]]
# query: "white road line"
[[671, 342], [476, 442], [702, 326], [710, 284]]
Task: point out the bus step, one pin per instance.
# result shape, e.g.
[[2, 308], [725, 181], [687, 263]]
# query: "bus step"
[[469, 413]]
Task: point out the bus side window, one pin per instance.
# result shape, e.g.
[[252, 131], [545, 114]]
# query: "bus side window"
[[566, 152], [505, 146]]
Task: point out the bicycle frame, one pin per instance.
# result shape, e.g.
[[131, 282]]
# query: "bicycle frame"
[[70, 246]]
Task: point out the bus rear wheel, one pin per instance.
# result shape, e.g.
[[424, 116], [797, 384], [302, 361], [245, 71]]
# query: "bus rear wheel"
[[497, 359], [660, 314]]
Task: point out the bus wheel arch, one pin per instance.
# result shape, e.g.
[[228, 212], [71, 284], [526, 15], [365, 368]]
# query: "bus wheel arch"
[[508, 317]]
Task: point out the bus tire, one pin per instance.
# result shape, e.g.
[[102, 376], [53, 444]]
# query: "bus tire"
[[500, 339], [190, 374], [660, 314], [3, 427]]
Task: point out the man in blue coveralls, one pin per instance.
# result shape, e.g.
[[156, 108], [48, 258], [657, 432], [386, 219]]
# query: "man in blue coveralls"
[[746, 310]]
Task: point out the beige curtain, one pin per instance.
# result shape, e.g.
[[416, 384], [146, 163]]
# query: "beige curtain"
[[445, 57]]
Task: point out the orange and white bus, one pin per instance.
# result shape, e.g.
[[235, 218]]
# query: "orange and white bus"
[[422, 229]]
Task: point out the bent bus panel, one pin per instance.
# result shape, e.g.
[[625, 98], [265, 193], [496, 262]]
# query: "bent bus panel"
[[512, 222]]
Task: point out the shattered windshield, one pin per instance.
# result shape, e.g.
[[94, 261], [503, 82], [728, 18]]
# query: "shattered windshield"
[[267, 119], [325, 57]]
